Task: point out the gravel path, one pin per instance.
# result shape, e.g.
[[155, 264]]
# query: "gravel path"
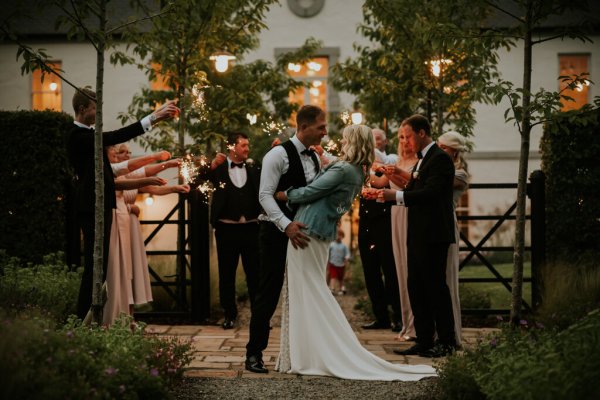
[[303, 387]]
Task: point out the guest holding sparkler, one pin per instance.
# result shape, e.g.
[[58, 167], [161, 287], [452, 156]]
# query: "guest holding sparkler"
[[141, 288], [80, 150]]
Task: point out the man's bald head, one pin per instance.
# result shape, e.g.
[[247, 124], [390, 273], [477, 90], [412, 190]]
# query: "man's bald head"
[[380, 139]]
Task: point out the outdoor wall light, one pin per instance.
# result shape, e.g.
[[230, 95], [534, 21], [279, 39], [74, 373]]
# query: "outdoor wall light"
[[356, 117], [221, 60]]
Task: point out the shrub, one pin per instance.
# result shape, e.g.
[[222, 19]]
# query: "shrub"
[[50, 286], [35, 176], [38, 361], [570, 146], [528, 363]]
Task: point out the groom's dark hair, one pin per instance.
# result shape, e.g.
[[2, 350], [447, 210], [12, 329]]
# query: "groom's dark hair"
[[307, 115], [418, 122]]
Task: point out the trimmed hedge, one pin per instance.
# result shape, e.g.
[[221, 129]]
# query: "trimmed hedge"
[[570, 149], [34, 173]]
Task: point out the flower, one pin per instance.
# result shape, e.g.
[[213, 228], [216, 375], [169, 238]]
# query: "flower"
[[250, 161], [110, 371], [154, 372]]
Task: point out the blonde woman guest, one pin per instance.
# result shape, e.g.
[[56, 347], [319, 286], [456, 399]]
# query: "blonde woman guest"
[[398, 176], [141, 288], [316, 338], [119, 272], [455, 145]]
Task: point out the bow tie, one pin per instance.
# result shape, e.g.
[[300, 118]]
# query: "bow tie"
[[419, 155], [239, 165], [307, 152]]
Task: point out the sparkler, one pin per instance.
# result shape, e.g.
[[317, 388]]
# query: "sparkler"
[[188, 169]]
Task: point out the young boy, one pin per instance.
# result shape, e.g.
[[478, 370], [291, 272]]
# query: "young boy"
[[339, 254]]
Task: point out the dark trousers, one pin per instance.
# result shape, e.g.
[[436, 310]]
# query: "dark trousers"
[[273, 251], [429, 294], [377, 256], [233, 241], [87, 224]]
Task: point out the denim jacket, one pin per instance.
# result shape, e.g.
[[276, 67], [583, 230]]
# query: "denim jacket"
[[327, 198]]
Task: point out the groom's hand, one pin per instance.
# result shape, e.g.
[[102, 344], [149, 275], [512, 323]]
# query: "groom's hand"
[[297, 237]]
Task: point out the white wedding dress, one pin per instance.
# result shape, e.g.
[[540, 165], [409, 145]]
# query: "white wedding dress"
[[316, 338]]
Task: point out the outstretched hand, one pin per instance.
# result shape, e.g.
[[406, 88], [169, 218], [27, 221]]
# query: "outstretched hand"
[[296, 236], [219, 159], [162, 155], [166, 111]]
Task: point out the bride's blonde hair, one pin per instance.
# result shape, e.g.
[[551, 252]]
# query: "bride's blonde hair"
[[359, 148]]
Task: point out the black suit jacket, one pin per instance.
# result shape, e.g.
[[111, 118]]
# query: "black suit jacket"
[[80, 150], [221, 174], [428, 197]]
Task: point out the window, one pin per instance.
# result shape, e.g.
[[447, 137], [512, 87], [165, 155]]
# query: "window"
[[314, 73], [46, 94], [160, 82], [574, 64]]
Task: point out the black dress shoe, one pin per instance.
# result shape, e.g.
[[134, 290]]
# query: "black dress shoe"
[[255, 364], [396, 326], [415, 350], [377, 325], [228, 323], [439, 350]]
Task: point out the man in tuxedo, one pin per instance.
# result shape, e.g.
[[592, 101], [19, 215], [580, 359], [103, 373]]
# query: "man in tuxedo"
[[291, 164], [376, 250], [428, 196], [234, 216], [80, 151]]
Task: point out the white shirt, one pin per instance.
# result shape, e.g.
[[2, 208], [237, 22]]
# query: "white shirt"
[[384, 158], [400, 193], [276, 163], [238, 176]]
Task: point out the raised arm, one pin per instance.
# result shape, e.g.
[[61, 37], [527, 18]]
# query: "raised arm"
[[127, 184], [154, 169], [162, 190]]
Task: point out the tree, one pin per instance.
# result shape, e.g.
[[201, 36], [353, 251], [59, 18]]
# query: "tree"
[[84, 20], [433, 58], [530, 109], [179, 47]]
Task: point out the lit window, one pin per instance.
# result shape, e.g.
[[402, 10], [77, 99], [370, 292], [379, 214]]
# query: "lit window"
[[46, 94], [574, 64], [314, 73], [160, 82]]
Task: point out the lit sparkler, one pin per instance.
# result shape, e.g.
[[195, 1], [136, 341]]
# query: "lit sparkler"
[[188, 169]]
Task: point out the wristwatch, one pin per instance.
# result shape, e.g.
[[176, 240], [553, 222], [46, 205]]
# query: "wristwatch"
[[152, 119]]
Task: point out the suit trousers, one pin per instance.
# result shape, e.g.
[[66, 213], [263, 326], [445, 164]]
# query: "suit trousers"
[[88, 225], [273, 251], [429, 294], [233, 241], [377, 257]]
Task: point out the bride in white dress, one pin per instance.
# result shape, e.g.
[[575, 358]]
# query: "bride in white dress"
[[316, 338]]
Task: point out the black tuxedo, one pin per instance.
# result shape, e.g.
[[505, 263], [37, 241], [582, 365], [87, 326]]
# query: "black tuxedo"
[[377, 256], [80, 150], [428, 197], [235, 239], [273, 253]]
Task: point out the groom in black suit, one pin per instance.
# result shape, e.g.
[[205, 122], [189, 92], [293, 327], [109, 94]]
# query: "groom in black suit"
[[428, 196], [80, 150], [291, 164]]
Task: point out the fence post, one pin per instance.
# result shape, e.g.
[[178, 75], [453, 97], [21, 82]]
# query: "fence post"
[[200, 256], [536, 193]]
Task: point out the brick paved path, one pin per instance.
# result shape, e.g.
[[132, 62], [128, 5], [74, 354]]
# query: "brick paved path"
[[220, 353]]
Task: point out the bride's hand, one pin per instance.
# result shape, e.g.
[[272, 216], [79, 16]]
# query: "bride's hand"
[[281, 196]]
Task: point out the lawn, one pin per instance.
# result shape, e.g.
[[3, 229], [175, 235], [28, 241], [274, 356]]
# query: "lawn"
[[499, 295]]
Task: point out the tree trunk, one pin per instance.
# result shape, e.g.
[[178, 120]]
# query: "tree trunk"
[[517, 280], [98, 275], [180, 260]]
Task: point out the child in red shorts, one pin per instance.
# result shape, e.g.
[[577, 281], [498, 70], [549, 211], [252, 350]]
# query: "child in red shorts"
[[339, 254]]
